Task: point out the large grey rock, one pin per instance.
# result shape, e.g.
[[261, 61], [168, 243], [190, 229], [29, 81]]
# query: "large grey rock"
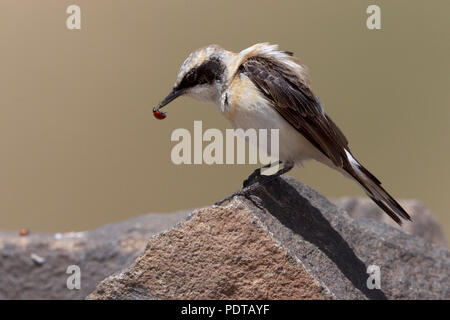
[[423, 223], [284, 241], [34, 266]]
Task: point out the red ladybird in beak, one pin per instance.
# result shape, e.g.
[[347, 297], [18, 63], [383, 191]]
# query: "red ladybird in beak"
[[159, 114]]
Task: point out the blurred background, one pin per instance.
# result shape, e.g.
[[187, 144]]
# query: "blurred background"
[[80, 147]]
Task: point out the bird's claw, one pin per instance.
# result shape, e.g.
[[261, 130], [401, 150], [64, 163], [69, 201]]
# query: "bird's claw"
[[253, 178], [243, 193]]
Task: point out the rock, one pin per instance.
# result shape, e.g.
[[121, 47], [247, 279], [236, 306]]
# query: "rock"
[[33, 266], [423, 223], [285, 241]]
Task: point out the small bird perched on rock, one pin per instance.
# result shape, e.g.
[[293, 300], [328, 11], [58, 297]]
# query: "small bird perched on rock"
[[263, 87]]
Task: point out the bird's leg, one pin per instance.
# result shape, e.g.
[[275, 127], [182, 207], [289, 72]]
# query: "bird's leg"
[[255, 175], [261, 180]]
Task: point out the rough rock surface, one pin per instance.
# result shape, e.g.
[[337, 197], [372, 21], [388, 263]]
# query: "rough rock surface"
[[423, 223], [34, 266], [285, 241]]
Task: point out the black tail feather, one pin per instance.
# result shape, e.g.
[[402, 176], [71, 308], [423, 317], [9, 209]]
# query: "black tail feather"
[[372, 186]]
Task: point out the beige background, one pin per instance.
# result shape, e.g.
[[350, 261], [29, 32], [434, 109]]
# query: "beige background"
[[80, 147]]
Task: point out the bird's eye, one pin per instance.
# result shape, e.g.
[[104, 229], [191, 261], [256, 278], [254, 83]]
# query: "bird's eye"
[[205, 73], [205, 77], [208, 72], [191, 78]]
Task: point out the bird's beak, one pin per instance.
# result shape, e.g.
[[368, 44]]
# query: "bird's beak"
[[175, 93]]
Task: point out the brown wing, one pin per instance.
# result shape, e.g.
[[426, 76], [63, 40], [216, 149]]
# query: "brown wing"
[[293, 99], [296, 103]]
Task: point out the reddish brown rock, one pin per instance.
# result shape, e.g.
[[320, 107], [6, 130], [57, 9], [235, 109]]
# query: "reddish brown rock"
[[220, 253], [284, 241]]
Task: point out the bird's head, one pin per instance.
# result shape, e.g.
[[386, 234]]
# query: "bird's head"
[[202, 75]]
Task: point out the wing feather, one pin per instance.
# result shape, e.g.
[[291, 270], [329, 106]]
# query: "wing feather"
[[296, 103], [291, 96]]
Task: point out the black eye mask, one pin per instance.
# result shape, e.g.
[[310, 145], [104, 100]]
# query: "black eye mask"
[[207, 72]]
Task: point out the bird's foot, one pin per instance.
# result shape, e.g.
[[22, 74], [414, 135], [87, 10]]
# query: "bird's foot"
[[252, 178], [256, 176], [244, 192], [254, 181]]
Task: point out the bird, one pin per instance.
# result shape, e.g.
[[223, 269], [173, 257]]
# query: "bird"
[[263, 87]]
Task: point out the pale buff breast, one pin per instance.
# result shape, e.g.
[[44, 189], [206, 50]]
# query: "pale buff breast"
[[248, 108]]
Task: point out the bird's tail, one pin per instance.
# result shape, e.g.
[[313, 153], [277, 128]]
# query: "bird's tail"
[[372, 186]]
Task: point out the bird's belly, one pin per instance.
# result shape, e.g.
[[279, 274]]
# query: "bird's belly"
[[293, 146]]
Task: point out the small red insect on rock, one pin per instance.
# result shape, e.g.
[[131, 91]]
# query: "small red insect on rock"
[[23, 232], [159, 114]]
